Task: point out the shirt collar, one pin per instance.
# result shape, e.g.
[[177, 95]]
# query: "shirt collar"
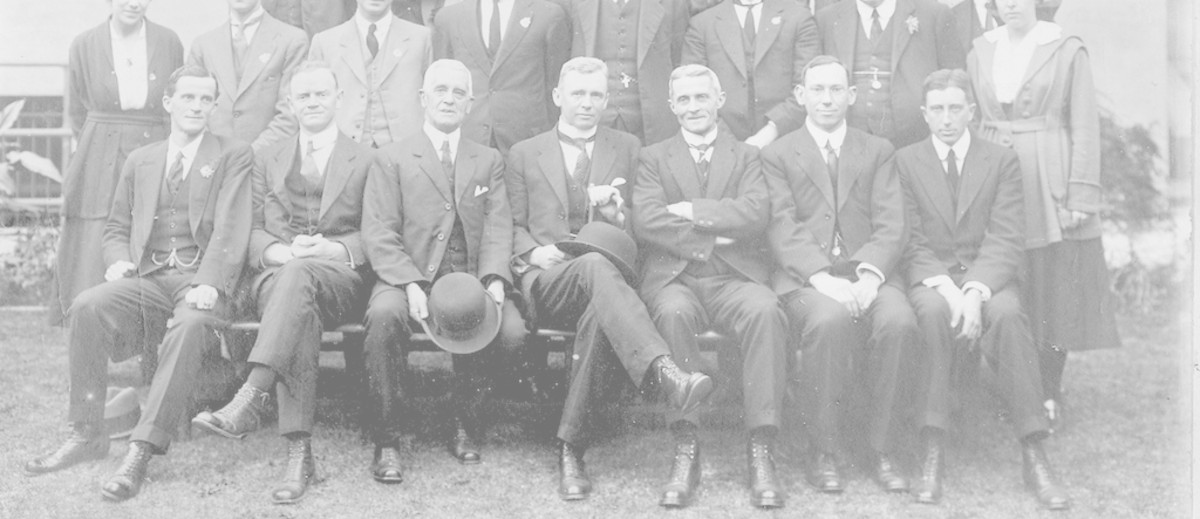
[[381, 27], [960, 147], [575, 133], [188, 150], [437, 137], [251, 19], [693, 139], [320, 140], [820, 136], [886, 10], [140, 34], [1042, 33]]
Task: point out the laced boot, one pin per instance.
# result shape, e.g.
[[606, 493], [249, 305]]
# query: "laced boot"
[[86, 442], [242, 415]]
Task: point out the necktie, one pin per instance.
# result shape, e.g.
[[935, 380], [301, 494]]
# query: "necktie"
[[952, 176], [748, 25], [175, 175], [583, 164], [448, 164], [831, 166], [494, 30], [748, 34], [702, 165], [240, 44], [876, 27], [372, 41], [308, 167]]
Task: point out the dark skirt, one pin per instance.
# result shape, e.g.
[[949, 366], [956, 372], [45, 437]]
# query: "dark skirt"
[[1067, 295]]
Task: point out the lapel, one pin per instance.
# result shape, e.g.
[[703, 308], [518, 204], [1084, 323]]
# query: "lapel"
[[650, 16], [589, 12], [151, 173], [932, 177], [1041, 55], [103, 48], [282, 164], [352, 51], [768, 28], [683, 167], [720, 169], [522, 10], [337, 172], [222, 63], [730, 35], [464, 168], [974, 171], [900, 33], [262, 45], [473, 39], [199, 185], [845, 31], [849, 166], [812, 161], [431, 164], [550, 161], [603, 156], [396, 46]]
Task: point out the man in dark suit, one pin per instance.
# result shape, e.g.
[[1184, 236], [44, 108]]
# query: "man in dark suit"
[[758, 50], [838, 234], [559, 181], [313, 16], [514, 66], [973, 18], [252, 55], [964, 201], [174, 244], [379, 60], [308, 254], [890, 46], [436, 205], [700, 213]]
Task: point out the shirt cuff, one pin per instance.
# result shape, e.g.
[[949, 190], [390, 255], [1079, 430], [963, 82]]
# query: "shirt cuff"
[[937, 281], [350, 255], [984, 292], [867, 267]]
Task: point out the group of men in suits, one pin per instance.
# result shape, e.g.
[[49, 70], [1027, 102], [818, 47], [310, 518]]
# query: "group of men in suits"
[[879, 265]]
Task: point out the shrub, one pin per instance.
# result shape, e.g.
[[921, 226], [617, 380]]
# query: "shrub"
[[27, 275]]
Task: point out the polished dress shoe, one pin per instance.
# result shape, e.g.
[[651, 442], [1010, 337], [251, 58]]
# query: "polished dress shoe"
[[242, 415], [887, 474], [764, 486], [685, 475], [463, 446], [127, 481], [386, 467], [1040, 477], [686, 391], [928, 489], [573, 482], [298, 473], [823, 474], [86, 442]]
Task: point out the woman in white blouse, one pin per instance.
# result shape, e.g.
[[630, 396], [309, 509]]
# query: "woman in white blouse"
[[117, 73], [1034, 86]]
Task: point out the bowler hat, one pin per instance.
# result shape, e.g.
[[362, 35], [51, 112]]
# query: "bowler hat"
[[609, 241], [463, 317], [121, 411]]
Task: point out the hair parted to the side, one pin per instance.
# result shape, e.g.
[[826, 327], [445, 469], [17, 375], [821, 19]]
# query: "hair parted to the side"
[[823, 60], [190, 71], [948, 78], [582, 65], [692, 70]]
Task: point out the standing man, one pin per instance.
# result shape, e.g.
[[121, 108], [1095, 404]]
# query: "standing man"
[[253, 77], [973, 18], [308, 253], [889, 47], [514, 66], [964, 201], [379, 60], [436, 206], [758, 49], [701, 211], [559, 181], [174, 244], [313, 16], [838, 235]]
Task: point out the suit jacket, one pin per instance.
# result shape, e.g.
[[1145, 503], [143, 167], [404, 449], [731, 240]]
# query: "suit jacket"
[[661, 26], [537, 187], [340, 217], [313, 16], [869, 209], [219, 207], [981, 240], [966, 21], [254, 110], [735, 205], [785, 41], [512, 91], [410, 211], [932, 45], [402, 63]]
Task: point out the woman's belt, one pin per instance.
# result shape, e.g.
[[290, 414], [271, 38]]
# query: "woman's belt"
[[1032, 124]]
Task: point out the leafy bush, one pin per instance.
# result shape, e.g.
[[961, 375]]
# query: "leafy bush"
[[26, 275]]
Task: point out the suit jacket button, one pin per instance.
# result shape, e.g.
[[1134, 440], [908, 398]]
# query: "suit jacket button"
[[431, 268], [827, 216], [441, 236], [237, 114], [448, 206]]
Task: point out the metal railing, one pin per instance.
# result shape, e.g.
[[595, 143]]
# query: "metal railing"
[[54, 143]]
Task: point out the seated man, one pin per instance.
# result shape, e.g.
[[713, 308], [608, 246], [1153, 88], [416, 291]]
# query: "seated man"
[[838, 234], [964, 202], [174, 244], [308, 252], [436, 205], [700, 212], [558, 181]]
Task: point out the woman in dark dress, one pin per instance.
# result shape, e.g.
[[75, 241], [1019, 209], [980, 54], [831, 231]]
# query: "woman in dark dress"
[[118, 71]]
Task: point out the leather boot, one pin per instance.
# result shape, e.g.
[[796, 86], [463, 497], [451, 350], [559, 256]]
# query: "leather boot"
[[685, 391], [86, 442], [888, 474], [685, 474], [298, 473], [463, 444], [764, 487], [1040, 477], [824, 473], [573, 480], [127, 481], [242, 415], [386, 467], [928, 489]]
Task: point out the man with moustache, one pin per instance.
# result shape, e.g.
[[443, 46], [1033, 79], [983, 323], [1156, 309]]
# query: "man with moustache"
[[174, 244], [311, 270]]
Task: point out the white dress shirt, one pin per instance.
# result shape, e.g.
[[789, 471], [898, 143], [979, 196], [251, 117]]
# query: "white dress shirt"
[[189, 154], [131, 65], [741, 11], [1011, 59], [569, 150], [381, 31], [322, 142], [485, 18], [886, 10], [694, 140], [249, 25], [960, 155], [437, 137], [981, 11]]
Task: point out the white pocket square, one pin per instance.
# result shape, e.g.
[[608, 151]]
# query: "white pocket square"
[[479, 190]]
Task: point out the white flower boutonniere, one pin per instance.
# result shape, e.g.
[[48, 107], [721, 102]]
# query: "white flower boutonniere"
[[153, 77], [913, 24], [525, 22], [206, 171]]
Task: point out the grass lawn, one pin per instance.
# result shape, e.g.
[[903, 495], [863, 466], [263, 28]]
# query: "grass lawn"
[[1125, 454]]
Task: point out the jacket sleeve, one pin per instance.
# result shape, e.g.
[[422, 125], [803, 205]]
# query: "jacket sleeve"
[[77, 84], [225, 254], [518, 198], [788, 115], [653, 223], [795, 247], [1083, 181], [120, 216], [1003, 244], [383, 223], [283, 124], [556, 52], [497, 239], [352, 239], [265, 206], [747, 214], [888, 229], [922, 263]]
